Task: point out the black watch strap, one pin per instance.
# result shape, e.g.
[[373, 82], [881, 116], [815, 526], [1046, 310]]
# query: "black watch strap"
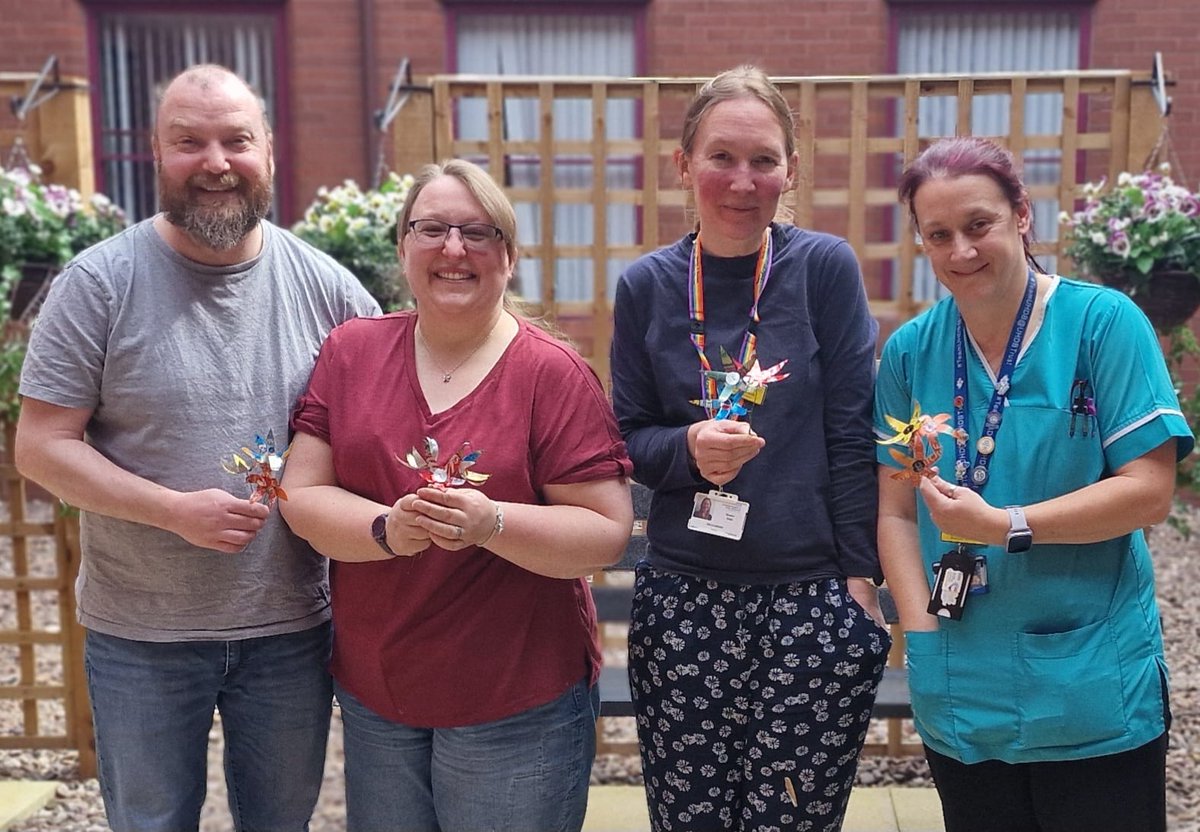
[[379, 532]]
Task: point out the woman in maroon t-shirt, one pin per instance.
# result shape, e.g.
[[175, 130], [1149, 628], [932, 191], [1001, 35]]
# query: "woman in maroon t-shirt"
[[463, 472]]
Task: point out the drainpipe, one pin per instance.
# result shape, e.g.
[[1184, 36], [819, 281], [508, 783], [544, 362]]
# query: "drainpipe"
[[366, 20]]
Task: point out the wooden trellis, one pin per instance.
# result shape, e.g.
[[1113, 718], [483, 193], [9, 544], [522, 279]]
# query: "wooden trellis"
[[43, 693], [853, 135]]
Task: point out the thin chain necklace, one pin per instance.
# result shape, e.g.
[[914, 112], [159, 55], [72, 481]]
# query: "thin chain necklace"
[[448, 374]]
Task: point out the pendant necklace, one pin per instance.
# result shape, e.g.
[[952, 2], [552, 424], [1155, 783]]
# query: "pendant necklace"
[[448, 374]]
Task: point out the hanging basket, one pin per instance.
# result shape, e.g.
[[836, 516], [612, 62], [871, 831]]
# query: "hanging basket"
[[1169, 297], [30, 290]]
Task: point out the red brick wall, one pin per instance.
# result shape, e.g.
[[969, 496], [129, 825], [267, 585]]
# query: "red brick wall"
[[31, 32], [1127, 34], [327, 110], [703, 37], [326, 118]]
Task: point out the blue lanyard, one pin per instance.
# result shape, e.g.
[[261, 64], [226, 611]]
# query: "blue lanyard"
[[995, 415]]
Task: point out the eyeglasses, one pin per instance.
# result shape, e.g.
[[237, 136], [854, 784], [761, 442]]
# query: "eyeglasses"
[[475, 235]]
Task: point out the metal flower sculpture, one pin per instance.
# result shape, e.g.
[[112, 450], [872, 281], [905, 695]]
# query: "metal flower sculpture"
[[264, 470], [454, 472], [919, 434], [739, 386]]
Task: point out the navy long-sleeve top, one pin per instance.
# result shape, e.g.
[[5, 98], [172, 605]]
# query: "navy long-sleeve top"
[[811, 490]]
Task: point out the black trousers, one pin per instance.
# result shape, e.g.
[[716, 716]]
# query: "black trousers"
[[1117, 793]]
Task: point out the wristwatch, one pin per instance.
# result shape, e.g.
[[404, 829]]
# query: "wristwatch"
[[1020, 536], [379, 532]]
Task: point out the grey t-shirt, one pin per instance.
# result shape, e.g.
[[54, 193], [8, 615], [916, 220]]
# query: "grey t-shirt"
[[183, 364]]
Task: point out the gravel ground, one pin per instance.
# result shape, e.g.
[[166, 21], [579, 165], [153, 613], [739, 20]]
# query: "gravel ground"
[[78, 807]]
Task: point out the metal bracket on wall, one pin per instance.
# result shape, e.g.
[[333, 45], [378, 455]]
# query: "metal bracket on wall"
[[400, 90], [1158, 85], [1164, 152], [41, 91]]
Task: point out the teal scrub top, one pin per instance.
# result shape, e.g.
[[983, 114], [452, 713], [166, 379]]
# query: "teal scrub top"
[[1062, 659]]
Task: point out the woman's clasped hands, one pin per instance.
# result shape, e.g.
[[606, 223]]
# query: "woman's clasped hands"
[[452, 519]]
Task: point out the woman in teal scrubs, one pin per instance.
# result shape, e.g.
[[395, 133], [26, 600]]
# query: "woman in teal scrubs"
[[1046, 439]]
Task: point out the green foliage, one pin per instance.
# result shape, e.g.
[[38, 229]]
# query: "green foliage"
[[358, 229], [47, 223], [44, 224], [1145, 222], [12, 348]]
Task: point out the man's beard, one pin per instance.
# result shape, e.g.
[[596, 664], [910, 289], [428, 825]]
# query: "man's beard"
[[219, 226]]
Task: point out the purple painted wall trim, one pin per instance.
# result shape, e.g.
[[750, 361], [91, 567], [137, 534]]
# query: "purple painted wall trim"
[[285, 181]]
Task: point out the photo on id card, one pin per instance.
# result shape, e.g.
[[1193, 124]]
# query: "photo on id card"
[[719, 513]]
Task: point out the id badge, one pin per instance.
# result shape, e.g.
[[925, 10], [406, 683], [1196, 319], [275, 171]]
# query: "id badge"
[[979, 577], [950, 590], [719, 513]]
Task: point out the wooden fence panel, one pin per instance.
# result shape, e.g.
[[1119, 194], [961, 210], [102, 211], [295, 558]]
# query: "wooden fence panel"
[[853, 137], [43, 694]]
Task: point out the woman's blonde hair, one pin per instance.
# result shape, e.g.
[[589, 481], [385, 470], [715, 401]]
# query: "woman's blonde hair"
[[739, 82]]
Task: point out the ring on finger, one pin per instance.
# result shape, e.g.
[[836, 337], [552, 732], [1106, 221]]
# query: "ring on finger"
[[953, 491], [458, 532]]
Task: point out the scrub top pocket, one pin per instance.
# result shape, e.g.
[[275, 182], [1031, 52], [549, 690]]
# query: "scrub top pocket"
[[928, 685], [1069, 687]]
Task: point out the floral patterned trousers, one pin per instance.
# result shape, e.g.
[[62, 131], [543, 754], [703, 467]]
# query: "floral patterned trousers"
[[752, 701]]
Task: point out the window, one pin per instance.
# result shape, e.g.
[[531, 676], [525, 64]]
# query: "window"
[[138, 54], [950, 41], [512, 42]]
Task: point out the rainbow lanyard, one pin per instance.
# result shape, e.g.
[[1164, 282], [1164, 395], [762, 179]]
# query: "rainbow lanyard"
[[762, 273]]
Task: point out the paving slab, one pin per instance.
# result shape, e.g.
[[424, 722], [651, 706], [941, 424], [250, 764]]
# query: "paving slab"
[[890, 809], [21, 798]]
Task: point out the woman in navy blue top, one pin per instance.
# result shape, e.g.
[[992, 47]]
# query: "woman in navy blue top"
[[756, 642]]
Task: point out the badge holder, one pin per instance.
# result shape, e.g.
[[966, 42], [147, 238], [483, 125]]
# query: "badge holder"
[[979, 576], [953, 585], [719, 513]]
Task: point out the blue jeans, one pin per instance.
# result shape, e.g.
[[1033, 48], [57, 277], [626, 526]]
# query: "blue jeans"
[[524, 772], [152, 704]]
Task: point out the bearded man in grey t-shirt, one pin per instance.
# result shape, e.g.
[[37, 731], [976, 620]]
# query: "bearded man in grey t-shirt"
[[158, 354]]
